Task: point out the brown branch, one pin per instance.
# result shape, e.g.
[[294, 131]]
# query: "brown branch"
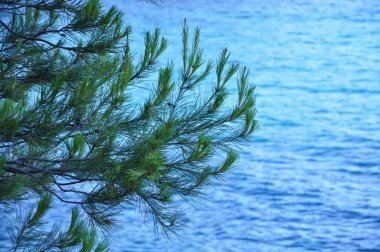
[[33, 39], [46, 188]]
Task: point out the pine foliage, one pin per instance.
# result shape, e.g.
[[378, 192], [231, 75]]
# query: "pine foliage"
[[26, 232], [70, 127]]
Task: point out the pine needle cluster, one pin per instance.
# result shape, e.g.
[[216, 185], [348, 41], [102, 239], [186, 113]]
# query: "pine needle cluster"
[[70, 131]]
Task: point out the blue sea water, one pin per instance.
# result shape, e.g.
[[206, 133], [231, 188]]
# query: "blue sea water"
[[310, 178]]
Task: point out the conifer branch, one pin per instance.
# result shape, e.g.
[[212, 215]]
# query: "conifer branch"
[[75, 126]]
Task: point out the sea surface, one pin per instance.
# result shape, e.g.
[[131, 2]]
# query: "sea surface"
[[310, 178]]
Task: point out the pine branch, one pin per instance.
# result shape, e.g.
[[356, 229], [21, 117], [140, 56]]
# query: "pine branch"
[[76, 126]]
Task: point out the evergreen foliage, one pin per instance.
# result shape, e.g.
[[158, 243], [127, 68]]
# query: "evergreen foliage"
[[71, 131]]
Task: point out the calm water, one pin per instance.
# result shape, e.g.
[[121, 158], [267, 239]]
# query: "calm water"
[[310, 179]]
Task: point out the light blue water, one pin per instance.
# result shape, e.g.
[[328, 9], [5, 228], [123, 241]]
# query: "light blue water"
[[310, 179]]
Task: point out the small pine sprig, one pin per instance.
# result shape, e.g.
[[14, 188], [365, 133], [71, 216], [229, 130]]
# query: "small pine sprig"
[[30, 232]]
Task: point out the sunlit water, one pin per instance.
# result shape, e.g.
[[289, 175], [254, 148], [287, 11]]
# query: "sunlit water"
[[310, 179]]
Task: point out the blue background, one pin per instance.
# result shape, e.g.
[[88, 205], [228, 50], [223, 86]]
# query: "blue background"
[[309, 180]]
